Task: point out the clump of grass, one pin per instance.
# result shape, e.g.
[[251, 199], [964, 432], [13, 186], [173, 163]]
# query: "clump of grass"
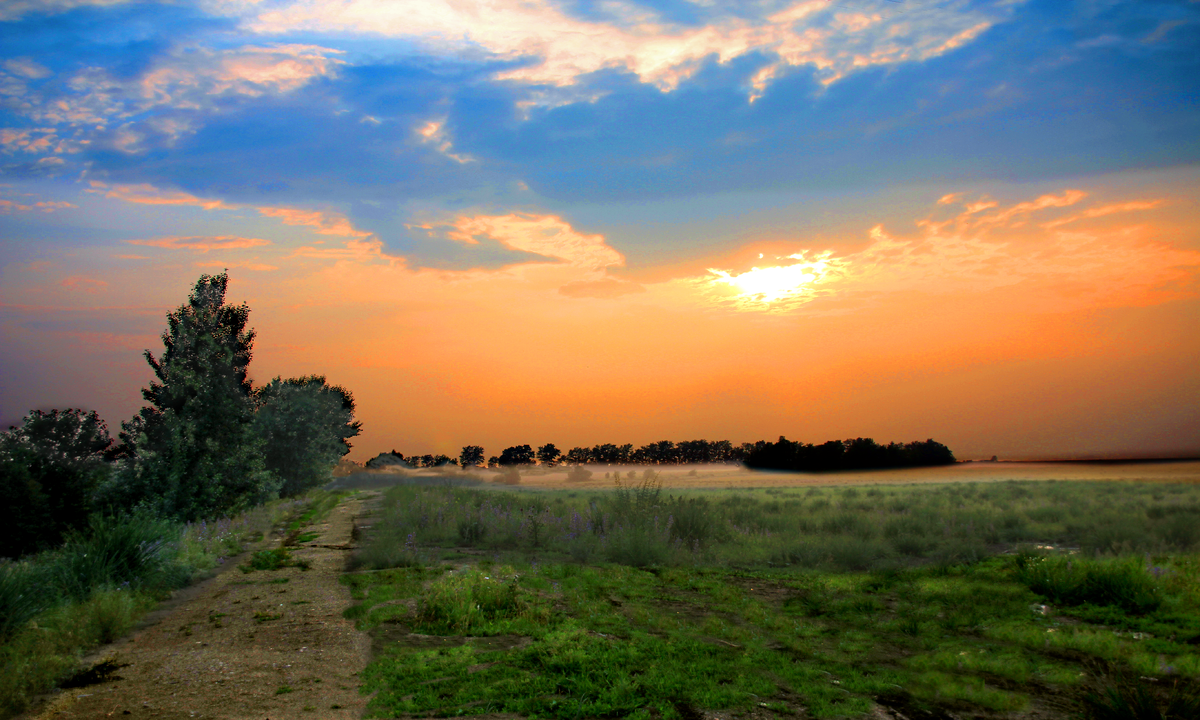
[[276, 559], [136, 551], [21, 598], [387, 549], [468, 602], [1126, 700], [1120, 582]]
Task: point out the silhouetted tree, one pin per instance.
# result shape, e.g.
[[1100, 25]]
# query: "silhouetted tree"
[[852, 454], [579, 456], [548, 455], [471, 456], [517, 455]]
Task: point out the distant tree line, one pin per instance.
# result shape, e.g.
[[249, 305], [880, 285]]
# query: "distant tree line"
[[854, 454], [207, 444]]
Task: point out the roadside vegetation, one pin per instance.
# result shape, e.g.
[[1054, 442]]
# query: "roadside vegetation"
[[96, 531], [989, 599]]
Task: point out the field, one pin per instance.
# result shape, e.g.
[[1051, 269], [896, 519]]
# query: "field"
[[638, 596]]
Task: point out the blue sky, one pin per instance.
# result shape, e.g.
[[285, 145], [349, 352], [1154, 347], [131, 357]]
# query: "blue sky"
[[642, 143]]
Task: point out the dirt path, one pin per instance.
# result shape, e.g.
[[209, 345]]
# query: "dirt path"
[[265, 644]]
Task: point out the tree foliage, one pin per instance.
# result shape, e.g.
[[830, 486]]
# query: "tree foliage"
[[305, 425], [852, 454], [517, 455], [50, 468], [193, 452], [471, 456], [548, 454]]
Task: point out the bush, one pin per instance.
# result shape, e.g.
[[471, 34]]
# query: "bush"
[[1120, 583], [134, 551], [461, 604]]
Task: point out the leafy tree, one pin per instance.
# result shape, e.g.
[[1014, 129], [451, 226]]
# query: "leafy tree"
[[579, 456], [517, 455], [471, 456], [50, 468], [193, 452], [548, 454], [306, 425]]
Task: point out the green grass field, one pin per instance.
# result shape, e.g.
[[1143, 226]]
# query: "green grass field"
[[930, 601]]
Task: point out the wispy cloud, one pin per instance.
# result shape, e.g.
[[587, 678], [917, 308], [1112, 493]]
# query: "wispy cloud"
[[325, 223], [84, 284], [546, 235], [146, 194], [170, 99], [433, 133], [202, 244]]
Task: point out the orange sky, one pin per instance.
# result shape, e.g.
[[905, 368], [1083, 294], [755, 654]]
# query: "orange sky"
[[1039, 323]]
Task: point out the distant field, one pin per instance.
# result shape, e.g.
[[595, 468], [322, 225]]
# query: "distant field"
[[736, 476]]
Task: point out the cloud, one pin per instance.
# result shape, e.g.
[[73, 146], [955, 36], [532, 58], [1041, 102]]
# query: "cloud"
[[201, 243], [433, 133], [552, 48], [84, 284], [8, 206], [16, 9], [606, 288], [27, 68], [252, 266], [146, 194], [323, 222], [1131, 206], [1041, 266], [546, 235], [168, 99]]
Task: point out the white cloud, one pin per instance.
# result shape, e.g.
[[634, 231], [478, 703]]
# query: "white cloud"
[[832, 39], [162, 103]]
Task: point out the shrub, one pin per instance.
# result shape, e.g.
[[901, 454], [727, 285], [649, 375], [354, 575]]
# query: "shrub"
[[578, 473], [462, 603], [1120, 583], [137, 551]]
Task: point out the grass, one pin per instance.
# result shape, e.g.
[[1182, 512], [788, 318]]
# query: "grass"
[[636, 603]]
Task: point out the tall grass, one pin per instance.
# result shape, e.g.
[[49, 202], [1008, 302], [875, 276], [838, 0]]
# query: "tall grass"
[[849, 528]]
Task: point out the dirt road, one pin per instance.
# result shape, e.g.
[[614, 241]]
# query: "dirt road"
[[265, 644]]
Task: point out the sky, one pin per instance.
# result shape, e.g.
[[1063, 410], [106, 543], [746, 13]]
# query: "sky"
[[503, 222]]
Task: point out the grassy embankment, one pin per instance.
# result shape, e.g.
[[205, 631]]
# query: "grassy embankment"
[[634, 603], [58, 605]]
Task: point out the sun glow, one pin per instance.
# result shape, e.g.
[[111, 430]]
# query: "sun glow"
[[759, 287]]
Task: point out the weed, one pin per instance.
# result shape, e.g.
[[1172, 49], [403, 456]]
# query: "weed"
[[276, 559]]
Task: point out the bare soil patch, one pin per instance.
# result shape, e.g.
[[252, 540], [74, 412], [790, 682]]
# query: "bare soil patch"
[[264, 644]]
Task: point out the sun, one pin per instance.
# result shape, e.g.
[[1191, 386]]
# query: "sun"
[[758, 288]]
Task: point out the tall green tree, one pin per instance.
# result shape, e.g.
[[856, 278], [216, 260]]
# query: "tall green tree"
[[306, 425], [193, 452]]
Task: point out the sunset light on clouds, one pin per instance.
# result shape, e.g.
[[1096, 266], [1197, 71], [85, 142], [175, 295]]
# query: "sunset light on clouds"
[[529, 222]]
